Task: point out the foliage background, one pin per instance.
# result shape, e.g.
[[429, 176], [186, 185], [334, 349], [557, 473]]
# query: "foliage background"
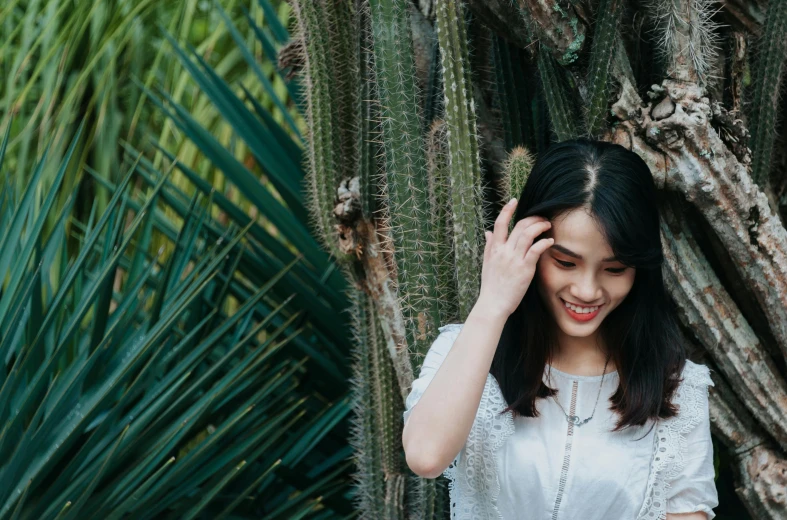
[[213, 198]]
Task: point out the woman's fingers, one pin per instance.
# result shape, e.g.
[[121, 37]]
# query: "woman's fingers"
[[525, 231], [535, 251], [500, 235]]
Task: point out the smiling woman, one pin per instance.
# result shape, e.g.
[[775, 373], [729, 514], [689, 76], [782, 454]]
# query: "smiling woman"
[[581, 281], [590, 408]]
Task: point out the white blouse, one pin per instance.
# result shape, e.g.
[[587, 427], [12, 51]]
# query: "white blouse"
[[546, 468]]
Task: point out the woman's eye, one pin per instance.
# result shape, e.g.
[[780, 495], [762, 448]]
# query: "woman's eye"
[[615, 270]]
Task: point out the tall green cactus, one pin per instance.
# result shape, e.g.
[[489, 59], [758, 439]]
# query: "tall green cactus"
[[364, 432], [562, 109], [441, 215], [769, 68], [405, 165], [601, 57], [332, 87], [406, 187], [507, 100], [464, 161]]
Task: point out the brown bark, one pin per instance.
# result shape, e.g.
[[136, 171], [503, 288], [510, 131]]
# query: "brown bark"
[[371, 245], [709, 312], [560, 25], [762, 471], [686, 155]]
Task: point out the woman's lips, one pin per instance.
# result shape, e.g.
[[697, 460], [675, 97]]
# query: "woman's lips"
[[581, 317]]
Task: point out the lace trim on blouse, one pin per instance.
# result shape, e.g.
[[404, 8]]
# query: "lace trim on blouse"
[[669, 446], [473, 482]]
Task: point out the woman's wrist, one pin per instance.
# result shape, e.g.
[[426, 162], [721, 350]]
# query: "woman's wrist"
[[487, 313]]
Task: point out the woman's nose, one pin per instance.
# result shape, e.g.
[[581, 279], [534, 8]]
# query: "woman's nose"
[[587, 290]]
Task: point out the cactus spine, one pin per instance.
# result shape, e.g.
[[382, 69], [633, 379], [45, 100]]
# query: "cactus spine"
[[464, 160]]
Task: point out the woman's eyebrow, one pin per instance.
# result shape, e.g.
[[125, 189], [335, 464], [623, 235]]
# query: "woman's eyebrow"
[[568, 252]]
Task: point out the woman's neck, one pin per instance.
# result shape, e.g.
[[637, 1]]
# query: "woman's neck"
[[581, 356]]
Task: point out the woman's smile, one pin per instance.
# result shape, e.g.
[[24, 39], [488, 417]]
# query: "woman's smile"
[[581, 267], [585, 315]]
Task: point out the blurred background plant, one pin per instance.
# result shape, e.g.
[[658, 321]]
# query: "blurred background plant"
[[76, 60], [178, 335]]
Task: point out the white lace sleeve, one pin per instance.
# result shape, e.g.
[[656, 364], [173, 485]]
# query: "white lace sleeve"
[[693, 488], [682, 474], [434, 358]]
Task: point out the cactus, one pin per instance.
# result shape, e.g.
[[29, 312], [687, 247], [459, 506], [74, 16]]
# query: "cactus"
[[769, 69], [507, 102], [364, 433], [601, 58], [562, 109], [686, 34], [407, 201], [332, 90], [405, 164], [515, 172], [439, 201], [366, 166], [464, 161]]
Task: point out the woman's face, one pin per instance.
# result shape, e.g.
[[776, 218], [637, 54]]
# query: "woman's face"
[[594, 280]]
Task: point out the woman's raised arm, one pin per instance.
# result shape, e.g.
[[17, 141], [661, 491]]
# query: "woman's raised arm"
[[438, 425]]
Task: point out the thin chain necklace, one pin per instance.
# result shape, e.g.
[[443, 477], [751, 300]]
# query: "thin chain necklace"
[[575, 418]]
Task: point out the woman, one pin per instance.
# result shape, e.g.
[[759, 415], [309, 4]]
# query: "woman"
[[569, 398]]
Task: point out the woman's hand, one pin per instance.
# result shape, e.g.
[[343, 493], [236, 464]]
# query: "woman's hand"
[[510, 261]]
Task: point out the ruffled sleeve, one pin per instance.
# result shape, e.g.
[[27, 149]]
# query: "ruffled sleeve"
[[682, 475], [434, 358], [693, 489]]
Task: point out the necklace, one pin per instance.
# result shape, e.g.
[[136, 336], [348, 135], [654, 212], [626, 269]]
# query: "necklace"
[[574, 419]]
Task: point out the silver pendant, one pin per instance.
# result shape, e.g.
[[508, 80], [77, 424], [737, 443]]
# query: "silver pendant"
[[574, 419]]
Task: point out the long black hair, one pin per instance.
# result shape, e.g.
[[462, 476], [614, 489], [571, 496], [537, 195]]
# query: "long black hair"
[[642, 334]]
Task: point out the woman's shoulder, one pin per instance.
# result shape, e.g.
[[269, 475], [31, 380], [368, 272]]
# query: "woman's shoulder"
[[446, 337], [450, 327], [695, 374], [692, 396]]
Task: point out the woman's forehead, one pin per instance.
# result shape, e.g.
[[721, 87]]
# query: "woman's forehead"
[[577, 232]]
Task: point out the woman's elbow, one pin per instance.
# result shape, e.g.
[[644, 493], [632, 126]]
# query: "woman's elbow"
[[422, 468], [419, 464]]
